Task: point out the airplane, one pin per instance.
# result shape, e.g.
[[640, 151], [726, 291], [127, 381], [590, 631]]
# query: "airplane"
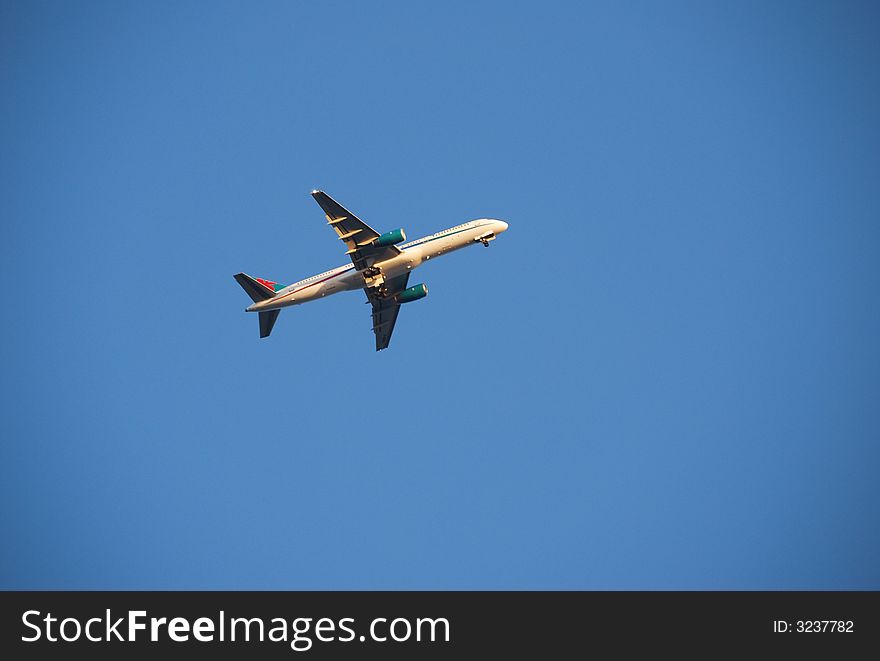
[[381, 264]]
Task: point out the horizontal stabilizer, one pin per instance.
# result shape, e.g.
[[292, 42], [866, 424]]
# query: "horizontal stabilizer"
[[267, 320], [253, 288]]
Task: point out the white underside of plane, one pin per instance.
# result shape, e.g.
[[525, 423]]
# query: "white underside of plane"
[[381, 265]]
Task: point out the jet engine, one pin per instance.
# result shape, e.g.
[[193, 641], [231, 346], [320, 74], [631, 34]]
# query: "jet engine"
[[412, 294], [391, 238]]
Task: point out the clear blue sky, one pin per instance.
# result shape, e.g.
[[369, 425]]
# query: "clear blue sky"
[[666, 374]]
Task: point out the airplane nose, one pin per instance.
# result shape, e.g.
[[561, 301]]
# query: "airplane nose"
[[502, 227]]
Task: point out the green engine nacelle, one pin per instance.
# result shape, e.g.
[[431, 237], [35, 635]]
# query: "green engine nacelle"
[[412, 294], [391, 238]]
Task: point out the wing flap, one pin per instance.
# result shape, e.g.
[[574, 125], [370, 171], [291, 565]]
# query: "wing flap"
[[386, 309]]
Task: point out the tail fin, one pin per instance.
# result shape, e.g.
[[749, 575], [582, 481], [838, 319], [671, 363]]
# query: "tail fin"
[[267, 320], [257, 288], [260, 290]]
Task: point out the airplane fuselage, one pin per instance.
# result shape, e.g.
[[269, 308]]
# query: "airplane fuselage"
[[413, 254]]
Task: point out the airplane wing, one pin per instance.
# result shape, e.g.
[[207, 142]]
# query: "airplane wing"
[[356, 234], [385, 309]]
